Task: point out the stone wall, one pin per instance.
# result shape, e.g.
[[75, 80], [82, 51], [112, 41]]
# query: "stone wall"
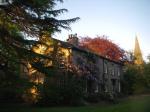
[[103, 74]]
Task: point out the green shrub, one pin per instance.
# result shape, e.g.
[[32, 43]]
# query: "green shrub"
[[135, 80], [62, 90]]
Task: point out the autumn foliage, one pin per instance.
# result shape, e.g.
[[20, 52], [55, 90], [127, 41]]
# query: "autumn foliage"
[[101, 45]]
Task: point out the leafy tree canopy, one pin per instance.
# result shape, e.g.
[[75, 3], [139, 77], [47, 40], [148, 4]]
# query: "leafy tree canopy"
[[103, 46]]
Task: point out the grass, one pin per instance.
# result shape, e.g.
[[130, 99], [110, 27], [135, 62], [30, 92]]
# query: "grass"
[[139, 103]]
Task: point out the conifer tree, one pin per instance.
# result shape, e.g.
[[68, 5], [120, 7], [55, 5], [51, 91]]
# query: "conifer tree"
[[21, 19]]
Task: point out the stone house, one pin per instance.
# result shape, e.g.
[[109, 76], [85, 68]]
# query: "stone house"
[[102, 74]]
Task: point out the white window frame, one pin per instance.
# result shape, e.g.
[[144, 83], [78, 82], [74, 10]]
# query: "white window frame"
[[105, 68], [118, 72], [96, 88], [113, 70]]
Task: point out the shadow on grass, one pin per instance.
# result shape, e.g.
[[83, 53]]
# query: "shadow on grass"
[[140, 103]]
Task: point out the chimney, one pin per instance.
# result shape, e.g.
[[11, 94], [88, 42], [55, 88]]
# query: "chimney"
[[73, 39]]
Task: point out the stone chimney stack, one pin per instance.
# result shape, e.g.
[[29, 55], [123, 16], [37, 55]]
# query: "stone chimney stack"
[[73, 39]]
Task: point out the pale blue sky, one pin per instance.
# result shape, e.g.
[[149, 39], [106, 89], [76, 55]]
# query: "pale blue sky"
[[120, 20]]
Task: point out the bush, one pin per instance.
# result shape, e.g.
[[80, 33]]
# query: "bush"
[[12, 87], [62, 90], [93, 98], [134, 80]]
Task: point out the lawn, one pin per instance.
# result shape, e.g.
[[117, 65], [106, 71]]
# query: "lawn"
[[139, 103]]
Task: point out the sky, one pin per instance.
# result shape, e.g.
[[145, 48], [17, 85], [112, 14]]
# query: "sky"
[[120, 20]]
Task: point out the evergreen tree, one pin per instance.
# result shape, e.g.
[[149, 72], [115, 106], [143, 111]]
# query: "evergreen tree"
[[20, 19]]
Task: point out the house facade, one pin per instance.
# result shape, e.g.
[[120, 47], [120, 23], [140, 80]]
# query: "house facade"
[[102, 74]]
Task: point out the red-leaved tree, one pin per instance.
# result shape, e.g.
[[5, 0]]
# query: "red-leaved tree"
[[101, 45]]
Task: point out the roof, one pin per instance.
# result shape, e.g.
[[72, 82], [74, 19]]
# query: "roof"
[[77, 48]]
